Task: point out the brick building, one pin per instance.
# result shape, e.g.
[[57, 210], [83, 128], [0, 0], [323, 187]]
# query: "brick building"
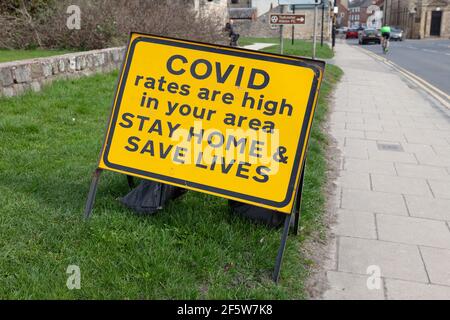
[[343, 13], [354, 13]]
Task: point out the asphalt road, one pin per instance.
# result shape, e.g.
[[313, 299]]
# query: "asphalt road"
[[428, 59]]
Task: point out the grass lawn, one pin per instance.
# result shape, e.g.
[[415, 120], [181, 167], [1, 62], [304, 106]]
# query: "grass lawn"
[[194, 248], [12, 55], [300, 47]]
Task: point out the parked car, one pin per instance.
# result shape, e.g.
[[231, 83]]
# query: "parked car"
[[396, 34], [351, 34], [369, 35]]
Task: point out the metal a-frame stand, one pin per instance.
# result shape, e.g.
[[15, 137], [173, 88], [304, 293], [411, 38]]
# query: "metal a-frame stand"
[[92, 192], [287, 224]]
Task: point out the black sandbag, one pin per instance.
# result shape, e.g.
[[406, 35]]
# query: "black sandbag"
[[150, 196], [256, 214]]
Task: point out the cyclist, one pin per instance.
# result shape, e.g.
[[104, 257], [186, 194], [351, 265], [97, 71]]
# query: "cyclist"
[[385, 35]]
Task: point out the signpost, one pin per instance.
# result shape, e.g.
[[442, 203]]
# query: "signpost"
[[279, 19], [314, 32], [293, 27], [314, 3], [281, 33], [219, 120]]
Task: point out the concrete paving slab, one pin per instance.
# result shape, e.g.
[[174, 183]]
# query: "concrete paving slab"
[[402, 142]]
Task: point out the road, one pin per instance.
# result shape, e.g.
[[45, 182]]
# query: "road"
[[428, 59]]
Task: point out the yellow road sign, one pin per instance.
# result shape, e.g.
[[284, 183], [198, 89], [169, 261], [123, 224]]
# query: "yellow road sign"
[[225, 121]]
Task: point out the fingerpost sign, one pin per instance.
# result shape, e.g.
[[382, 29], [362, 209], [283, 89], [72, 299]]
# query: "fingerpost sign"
[[224, 121], [278, 19]]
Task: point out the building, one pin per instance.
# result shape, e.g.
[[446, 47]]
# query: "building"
[[256, 22], [354, 13], [342, 18], [365, 13], [419, 18], [380, 5]]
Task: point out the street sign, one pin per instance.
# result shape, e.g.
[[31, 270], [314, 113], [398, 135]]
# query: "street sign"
[[299, 2], [224, 121], [220, 120], [277, 19]]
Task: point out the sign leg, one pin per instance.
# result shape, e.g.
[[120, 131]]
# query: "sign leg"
[[293, 30], [92, 192], [299, 201], [276, 272], [130, 181], [281, 33], [314, 31]]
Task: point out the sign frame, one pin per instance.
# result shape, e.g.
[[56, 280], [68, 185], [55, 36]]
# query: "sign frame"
[[297, 173]]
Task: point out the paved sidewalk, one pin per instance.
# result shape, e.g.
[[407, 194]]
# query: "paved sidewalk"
[[393, 190], [258, 46]]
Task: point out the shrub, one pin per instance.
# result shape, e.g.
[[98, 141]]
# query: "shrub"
[[104, 23]]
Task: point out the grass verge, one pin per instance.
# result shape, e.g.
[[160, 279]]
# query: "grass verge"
[[299, 48], [194, 248], [13, 55]]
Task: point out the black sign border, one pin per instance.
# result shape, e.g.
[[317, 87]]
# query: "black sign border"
[[243, 53]]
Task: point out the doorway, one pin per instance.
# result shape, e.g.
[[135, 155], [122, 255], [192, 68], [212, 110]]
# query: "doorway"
[[435, 28]]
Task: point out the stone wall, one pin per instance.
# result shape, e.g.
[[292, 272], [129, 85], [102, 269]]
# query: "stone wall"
[[17, 77], [259, 27], [215, 9]]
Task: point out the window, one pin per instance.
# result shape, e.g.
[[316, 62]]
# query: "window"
[[234, 1]]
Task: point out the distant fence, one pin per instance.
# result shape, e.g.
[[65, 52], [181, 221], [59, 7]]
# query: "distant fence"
[[17, 77]]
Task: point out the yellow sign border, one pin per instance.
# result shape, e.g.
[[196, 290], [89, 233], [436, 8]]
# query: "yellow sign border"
[[284, 206]]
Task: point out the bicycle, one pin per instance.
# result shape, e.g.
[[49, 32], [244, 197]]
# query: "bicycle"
[[385, 45]]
